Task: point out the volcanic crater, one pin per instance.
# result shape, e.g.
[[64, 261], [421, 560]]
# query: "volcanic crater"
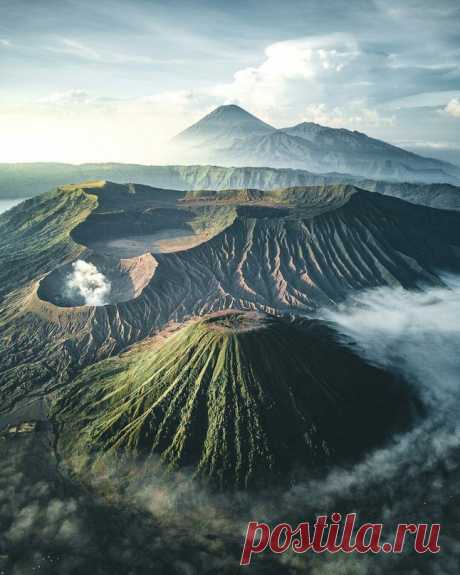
[[129, 224], [117, 281]]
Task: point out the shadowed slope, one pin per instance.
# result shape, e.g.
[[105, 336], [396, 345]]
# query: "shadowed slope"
[[242, 399]]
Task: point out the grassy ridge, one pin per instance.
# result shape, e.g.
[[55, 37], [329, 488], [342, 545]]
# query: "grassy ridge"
[[35, 236]]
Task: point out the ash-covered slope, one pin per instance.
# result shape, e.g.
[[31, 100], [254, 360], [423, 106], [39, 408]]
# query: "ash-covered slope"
[[285, 251], [242, 399]]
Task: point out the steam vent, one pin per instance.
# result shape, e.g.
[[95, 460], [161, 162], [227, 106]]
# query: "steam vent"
[[97, 281], [243, 399]]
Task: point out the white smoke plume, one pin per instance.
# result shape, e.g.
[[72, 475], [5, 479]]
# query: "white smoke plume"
[[89, 283]]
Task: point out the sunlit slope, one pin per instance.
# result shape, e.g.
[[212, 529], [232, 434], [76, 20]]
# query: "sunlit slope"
[[240, 399]]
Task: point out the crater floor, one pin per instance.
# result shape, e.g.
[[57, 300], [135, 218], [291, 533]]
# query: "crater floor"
[[163, 241]]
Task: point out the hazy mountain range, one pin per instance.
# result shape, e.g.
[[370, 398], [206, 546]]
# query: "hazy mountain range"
[[230, 135], [26, 180]]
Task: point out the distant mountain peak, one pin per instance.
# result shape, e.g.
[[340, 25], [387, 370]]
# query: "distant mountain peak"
[[230, 135], [227, 122], [315, 127], [306, 124], [230, 109]]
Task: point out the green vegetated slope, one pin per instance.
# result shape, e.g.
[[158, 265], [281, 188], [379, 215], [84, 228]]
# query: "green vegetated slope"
[[241, 399], [35, 236], [41, 344]]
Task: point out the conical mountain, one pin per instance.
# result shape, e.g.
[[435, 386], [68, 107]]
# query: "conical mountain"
[[242, 399], [222, 126], [232, 136]]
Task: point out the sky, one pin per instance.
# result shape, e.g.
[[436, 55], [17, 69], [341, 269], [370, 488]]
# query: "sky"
[[112, 80]]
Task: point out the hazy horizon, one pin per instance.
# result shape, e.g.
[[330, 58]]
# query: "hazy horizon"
[[113, 82]]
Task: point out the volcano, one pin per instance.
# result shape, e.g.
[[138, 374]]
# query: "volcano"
[[225, 123], [232, 136], [242, 399], [169, 256]]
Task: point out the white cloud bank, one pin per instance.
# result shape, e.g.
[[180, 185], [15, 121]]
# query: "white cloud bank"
[[356, 116], [265, 87], [415, 332], [453, 108]]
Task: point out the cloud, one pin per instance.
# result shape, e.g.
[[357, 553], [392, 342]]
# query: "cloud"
[[395, 327], [69, 97], [341, 80], [429, 145], [410, 332], [414, 333], [5, 42], [50, 524], [78, 125], [423, 100], [453, 108], [84, 51], [75, 48], [374, 55], [357, 115], [264, 87]]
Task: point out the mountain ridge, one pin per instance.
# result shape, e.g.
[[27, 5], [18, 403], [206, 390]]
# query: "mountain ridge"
[[26, 180], [249, 141]]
